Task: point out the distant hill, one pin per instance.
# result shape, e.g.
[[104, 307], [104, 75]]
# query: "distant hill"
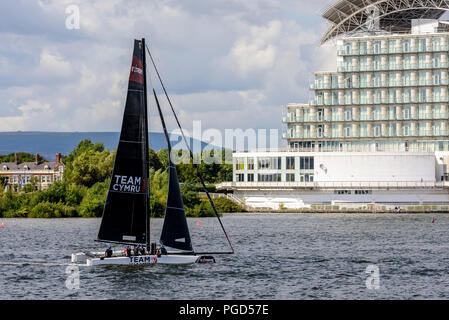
[[48, 144]]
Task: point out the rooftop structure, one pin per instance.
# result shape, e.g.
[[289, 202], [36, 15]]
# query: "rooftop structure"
[[349, 16]]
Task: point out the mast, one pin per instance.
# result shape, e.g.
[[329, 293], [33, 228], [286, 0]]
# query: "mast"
[[146, 145]]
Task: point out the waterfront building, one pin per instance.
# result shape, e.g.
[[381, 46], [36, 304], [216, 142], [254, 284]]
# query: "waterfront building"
[[377, 129], [40, 174]]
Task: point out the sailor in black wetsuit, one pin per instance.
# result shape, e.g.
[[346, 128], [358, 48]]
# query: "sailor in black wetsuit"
[[163, 250], [137, 250], [107, 253], [128, 251], [142, 250]]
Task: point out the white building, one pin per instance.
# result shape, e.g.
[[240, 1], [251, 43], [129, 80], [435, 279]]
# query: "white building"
[[377, 128]]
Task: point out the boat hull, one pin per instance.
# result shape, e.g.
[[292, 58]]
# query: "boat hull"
[[150, 259]]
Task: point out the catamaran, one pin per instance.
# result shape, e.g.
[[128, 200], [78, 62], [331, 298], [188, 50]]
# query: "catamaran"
[[126, 214]]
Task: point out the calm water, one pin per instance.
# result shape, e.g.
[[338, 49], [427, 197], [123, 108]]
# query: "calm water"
[[278, 256]]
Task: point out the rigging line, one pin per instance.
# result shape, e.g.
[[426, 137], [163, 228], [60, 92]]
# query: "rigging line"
[[190, 151]]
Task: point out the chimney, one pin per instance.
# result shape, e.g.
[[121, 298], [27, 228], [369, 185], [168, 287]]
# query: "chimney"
[[58, 158], [37, 158], [16, 158]]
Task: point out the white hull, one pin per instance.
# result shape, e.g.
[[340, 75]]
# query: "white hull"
[[146, 259]]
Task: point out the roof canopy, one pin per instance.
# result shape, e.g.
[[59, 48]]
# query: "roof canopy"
[[392, 15]]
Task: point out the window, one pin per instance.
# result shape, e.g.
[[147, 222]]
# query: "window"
[[377, 79], [269, 163], [391, 79], [376, 46], [377, 113], [377, 96], [319, 114], [436, 44], [406, 130], [392, 62], [422, 78], [250, 177], [306, 163], [306, 177], [239, 163], [363, 130], [377, 130], [406, 112], [363, 113], [334, 97], [290, 163], [348, 97], [392, 95], [363, 80], [362, 47], [348, 114], [407, 61], [240, 177], [421, 61], [406, 78], [436, 94], [334, 81], [422, 94], [392, 113], [269, 177], [422, 45], [406, 45], [290, 177], [347, 130], [377, 62], [347, 48], [436, 76], [5, 168], [391, 46], [406, 95], [436, 60], [250, 163]]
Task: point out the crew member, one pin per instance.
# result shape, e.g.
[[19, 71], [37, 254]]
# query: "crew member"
[[127, 251], [107, 253]]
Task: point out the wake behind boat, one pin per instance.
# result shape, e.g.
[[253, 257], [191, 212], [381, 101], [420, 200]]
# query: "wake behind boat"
[[126, 214]]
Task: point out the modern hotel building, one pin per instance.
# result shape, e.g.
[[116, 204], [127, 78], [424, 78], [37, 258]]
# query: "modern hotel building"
[[377, 129]]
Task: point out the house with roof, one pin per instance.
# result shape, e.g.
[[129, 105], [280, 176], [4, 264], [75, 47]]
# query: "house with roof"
[[41, 174]]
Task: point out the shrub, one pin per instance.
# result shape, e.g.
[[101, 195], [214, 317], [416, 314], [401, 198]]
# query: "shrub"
[[224, 205]]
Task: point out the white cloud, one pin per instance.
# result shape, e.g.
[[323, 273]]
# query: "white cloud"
[[228, 63]]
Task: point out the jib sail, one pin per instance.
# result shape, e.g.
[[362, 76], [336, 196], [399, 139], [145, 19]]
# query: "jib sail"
[[125, 215], [175, 231]]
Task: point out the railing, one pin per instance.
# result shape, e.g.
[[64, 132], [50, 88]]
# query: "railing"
[[373, 117], [384, 67], [383, 84], [396, 50], [337, 184], [410, 133]]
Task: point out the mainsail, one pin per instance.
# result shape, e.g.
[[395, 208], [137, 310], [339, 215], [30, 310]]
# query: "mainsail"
[[125, 215], [175, 231]]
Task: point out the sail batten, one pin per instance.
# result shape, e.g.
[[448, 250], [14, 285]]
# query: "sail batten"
[[126, 209]]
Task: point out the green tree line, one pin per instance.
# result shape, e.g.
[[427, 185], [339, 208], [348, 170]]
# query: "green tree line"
[[83, 190]]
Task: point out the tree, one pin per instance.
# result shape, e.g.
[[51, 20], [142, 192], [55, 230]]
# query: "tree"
[[90, 167]]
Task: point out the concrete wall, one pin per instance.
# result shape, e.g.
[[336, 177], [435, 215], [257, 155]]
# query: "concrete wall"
[[375, 167], [304, 199]]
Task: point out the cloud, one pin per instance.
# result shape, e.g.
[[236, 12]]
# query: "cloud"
[[228, 63]]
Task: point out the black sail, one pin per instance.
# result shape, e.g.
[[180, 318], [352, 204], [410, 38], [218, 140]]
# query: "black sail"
[[125, 215], [175, 231]]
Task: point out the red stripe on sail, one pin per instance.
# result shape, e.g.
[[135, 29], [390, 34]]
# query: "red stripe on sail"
[[136, 74]]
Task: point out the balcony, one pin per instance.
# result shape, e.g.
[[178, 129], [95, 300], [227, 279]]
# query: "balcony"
[[342, 51]]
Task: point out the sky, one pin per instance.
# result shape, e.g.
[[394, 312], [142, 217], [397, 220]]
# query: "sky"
[[227, 63]]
